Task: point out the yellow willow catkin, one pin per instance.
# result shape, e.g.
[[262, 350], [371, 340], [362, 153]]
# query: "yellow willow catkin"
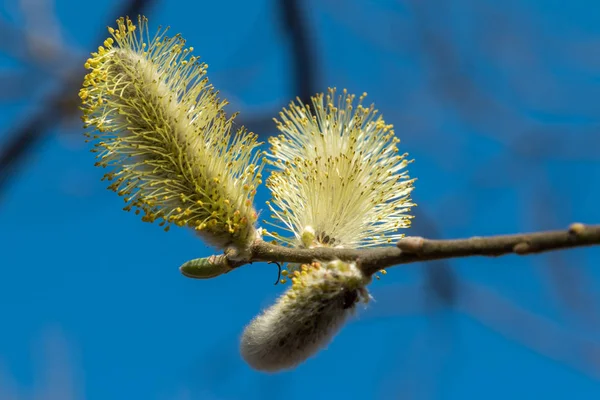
[[339, 177], [159, 125]]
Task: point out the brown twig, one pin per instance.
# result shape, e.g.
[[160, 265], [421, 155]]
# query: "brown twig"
[[417, 249]]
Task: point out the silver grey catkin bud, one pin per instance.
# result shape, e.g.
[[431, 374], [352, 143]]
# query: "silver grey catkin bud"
[[305, 318]]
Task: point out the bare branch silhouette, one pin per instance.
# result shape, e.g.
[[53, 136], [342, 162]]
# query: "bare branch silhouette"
[[537, 333]]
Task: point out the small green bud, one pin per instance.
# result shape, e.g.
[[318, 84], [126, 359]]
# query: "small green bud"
[[308, 236], [206, 268]]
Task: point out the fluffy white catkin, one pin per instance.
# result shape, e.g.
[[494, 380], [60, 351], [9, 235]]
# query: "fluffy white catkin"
[[305, 318]]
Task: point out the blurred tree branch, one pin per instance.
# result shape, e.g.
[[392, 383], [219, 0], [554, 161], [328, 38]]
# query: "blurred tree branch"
[[55, 106], [535, 332], [303, 63]]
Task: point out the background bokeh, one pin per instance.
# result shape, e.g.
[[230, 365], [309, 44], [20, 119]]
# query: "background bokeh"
[[497, 101]]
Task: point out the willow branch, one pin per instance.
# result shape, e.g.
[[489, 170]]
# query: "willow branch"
[[416, 249]]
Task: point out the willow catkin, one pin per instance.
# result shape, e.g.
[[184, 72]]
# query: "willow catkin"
[[305, 318], [158, 124], [338, 170]]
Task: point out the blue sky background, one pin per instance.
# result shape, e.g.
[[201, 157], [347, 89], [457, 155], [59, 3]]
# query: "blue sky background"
[[496, 101]]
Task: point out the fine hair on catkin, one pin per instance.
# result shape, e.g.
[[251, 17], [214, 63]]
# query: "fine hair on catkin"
[[305, 318]]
